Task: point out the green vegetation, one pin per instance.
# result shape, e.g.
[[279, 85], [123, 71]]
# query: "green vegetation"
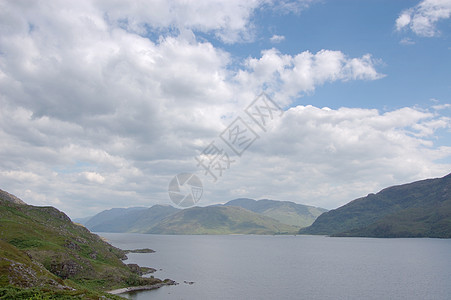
[[220, 220], [418, 209], [45, 293], [208, 220], [43, 255], [286, 212]]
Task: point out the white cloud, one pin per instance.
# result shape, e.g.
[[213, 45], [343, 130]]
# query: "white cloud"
[[407, 41], [228, 20], [423, 18], [403, 20], [289, 7], [292, 75], [327, 157], [441, 106], [94, 114], [93, 177], [277, 38]]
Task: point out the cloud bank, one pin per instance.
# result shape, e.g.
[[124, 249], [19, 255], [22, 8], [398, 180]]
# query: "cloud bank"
[[102, 104]]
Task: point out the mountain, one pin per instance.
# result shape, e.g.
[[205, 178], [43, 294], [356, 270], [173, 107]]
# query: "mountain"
[[220, 220], [286, 212], [43, 255], [418, 209], [81, 221], [135, 219], [152, 216], [153, 219], [5, 196], [113, 220]]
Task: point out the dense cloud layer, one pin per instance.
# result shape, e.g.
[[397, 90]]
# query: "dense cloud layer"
[[102, 104]]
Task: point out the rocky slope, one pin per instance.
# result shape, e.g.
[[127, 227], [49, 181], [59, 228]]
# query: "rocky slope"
[[42, 252]]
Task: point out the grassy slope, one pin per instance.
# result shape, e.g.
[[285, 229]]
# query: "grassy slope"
[[220, 220], [286, 212], [151, 217], [419, 209], [42, 250]]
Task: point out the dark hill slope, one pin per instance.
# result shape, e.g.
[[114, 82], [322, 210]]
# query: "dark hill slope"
[[418, 209]]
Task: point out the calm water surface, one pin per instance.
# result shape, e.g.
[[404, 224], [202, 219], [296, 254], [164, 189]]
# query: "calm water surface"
[[292, 267]]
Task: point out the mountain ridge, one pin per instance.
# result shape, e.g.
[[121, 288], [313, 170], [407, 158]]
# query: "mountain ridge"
[[417, 209], [10, 197], [145, 220], [286, 212], [220, 220], [133, 219]]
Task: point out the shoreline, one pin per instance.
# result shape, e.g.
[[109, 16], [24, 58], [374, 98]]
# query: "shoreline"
[[139, 288]]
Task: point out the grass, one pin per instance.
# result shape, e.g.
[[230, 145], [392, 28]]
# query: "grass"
[[41, 249], [45, 293]]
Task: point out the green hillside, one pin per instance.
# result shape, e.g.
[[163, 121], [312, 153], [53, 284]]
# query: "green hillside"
[[43, 253], [418, 209], [151, 217], [220, 220], [286, 212]]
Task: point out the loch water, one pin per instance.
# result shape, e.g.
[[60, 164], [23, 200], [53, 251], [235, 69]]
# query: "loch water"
[[291, 267]]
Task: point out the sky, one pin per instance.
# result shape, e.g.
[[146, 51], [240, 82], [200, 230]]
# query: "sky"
[[318, 102]]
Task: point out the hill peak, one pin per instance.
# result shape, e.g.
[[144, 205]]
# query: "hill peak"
[[10, 198]]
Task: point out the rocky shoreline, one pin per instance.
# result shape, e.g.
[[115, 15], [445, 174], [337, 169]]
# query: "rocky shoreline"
[[140, 271], [142, 287]]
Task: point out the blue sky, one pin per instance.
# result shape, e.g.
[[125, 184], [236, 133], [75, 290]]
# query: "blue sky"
[[104, 102], [415, 73]]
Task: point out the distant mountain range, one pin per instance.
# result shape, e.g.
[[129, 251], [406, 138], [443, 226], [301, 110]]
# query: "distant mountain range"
[[220, 220], [135, 219], [239, 216], [418, 209]]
